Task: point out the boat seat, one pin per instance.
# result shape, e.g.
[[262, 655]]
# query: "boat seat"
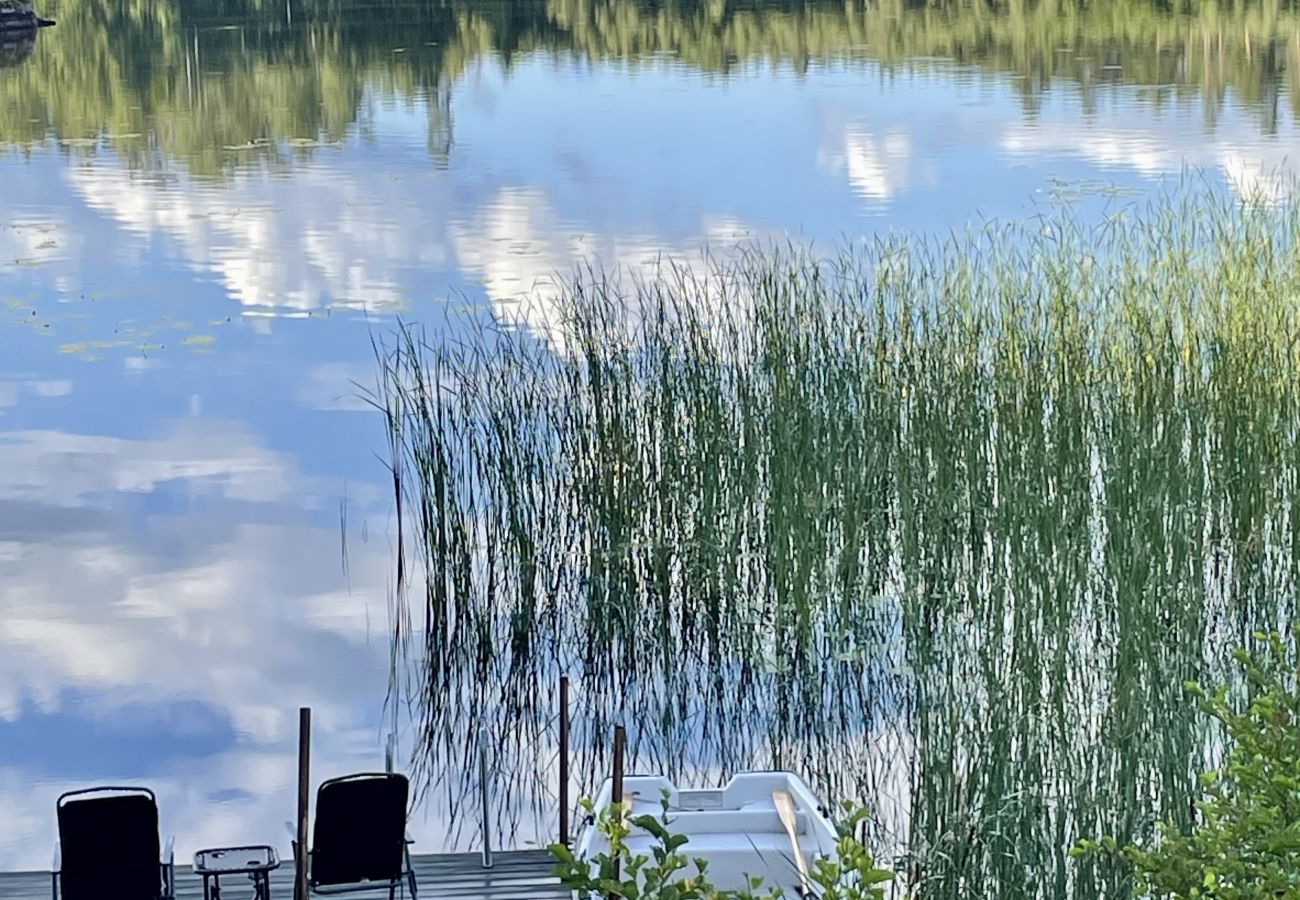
[[724, 821]]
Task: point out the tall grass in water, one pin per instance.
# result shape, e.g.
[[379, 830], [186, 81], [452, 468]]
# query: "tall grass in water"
[[945, 526]]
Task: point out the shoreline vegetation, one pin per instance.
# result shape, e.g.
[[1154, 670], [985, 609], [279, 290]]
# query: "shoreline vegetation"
[[217, 85], [945, 526]]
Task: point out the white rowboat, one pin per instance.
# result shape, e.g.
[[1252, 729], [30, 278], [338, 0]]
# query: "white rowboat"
[[737, 828]]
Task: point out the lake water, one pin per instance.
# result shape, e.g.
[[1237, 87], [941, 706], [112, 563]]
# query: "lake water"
[[208, 210]]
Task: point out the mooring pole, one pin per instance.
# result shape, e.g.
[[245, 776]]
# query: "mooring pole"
[[483, 794], [304, 790], [620, 745], [564, 760]]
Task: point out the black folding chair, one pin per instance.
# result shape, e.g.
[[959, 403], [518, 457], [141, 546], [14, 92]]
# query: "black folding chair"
[[108, 847], [359, 840]]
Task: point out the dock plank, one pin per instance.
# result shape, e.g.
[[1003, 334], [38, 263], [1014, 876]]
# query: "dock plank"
[[515, 875]]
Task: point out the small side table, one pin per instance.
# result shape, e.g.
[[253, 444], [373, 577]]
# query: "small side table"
[[257, 862]]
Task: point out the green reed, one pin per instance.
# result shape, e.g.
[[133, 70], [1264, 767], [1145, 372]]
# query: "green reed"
[[945, 526]]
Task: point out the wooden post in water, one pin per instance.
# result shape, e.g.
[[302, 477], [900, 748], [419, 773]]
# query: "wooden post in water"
[[304, 791], [620, 746], [484, 798], [564, 760], [616, 798]]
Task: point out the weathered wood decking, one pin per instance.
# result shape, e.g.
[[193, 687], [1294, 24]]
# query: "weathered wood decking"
[[515, 875]]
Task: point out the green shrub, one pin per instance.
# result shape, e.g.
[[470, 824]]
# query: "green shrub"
[[853, 873], [1246, 843]]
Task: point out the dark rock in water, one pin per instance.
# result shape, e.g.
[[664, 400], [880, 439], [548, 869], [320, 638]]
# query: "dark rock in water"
[[15, 47], [18, 15]]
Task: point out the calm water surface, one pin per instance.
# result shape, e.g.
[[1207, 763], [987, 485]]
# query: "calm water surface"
[[208, 209]]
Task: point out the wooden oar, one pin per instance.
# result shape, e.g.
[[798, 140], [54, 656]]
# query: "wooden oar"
[[785, 809]]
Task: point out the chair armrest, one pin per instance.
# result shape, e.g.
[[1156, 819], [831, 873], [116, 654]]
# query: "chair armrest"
[[169, 851], [57, 865], [291, 829]]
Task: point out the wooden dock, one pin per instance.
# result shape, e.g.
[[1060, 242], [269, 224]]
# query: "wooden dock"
[[515, 875]]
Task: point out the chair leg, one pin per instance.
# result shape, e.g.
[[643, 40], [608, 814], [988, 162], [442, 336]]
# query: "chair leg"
[[410, 869]]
